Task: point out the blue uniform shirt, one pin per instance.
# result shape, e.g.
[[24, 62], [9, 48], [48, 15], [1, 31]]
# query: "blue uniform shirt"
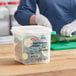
[[59, 12]]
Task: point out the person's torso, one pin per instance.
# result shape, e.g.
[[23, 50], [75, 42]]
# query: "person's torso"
[[59, 12]]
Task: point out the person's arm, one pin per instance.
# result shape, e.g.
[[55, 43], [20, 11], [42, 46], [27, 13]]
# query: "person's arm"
[[25, 13]]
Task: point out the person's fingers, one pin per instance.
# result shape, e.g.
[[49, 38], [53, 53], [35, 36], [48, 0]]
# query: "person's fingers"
[[66, 30], [63, 31]]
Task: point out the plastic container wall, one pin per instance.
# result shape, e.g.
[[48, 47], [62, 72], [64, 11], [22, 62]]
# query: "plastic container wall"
[[4, 1], [14, 0], [4, 19], [12, 6], [32, 44]]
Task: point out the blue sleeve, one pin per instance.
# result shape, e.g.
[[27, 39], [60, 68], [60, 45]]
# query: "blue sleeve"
[[25, 10]]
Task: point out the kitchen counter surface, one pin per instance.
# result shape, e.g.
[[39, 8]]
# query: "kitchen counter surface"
[[62, 62]]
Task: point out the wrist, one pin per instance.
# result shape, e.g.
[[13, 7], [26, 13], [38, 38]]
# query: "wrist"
[[32, 20]]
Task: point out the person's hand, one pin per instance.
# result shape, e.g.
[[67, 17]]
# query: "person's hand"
[[69, 29], [43, 21]]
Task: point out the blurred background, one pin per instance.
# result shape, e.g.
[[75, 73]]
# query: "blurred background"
[[7, 20]]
